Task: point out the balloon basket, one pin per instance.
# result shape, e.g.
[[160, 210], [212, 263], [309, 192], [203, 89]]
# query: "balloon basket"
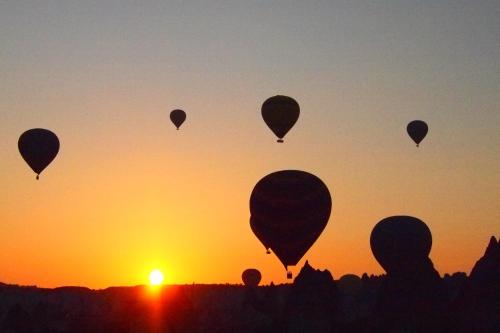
[[280, 140], [289, 275]]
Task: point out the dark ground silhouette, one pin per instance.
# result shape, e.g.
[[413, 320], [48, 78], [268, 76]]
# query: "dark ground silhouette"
[[412, 301]]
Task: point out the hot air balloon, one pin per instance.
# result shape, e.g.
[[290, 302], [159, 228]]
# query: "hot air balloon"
[[289, 209], [251, 277], [280, 114], [400, 241], [349, 284], [261, 235], [417, 130], [177, 117], [38, 147]]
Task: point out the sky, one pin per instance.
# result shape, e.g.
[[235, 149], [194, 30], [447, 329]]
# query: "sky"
[[128, 193]]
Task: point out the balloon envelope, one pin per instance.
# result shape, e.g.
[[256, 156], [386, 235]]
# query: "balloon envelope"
[[177, 117], [251, 277], [400, 241], [417, 130], [349, 284], [260, 234], [38, 147], [290, 209], [280, 113]]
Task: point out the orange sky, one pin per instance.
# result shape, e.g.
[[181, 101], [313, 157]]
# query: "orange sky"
[[128, 193]]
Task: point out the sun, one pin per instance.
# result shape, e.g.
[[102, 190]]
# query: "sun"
[[156, 277]]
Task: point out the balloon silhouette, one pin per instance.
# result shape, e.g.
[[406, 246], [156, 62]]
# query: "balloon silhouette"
[[251, 277], [350, 284], [289, 210], [177, 117], [261, 235], [400, 241], [38, 147], [417, 130], [280, 114]]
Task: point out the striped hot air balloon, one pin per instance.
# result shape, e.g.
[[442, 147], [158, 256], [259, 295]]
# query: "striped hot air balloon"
[[290, 209]]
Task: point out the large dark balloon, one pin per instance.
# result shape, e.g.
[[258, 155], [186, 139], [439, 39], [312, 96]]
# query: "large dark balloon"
[[400, 241], [251, 277], [280, 114], [261, 235], [38, 147], [289, 209], [417, 130], [177, 117]]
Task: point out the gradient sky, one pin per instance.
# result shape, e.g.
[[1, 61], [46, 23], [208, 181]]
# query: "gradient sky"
[[128, 193]]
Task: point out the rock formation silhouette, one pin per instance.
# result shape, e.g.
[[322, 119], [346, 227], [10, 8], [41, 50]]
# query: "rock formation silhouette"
[[412, 299], [312, 301], [17, 320], [454, 283], [477, 307]]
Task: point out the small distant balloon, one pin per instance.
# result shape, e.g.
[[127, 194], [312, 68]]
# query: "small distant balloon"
[[38, 147], [289, 210], [417, 130], [280, 113], [349, 284], [400, 241], [178, 117], [251, 277]]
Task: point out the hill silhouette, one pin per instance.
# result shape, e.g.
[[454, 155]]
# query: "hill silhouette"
[[414, 301]]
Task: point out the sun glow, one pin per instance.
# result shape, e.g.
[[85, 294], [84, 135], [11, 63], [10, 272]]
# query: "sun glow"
[[156, 277]]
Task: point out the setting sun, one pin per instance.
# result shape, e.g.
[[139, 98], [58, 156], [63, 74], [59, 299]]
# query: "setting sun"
[[156, 277]]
